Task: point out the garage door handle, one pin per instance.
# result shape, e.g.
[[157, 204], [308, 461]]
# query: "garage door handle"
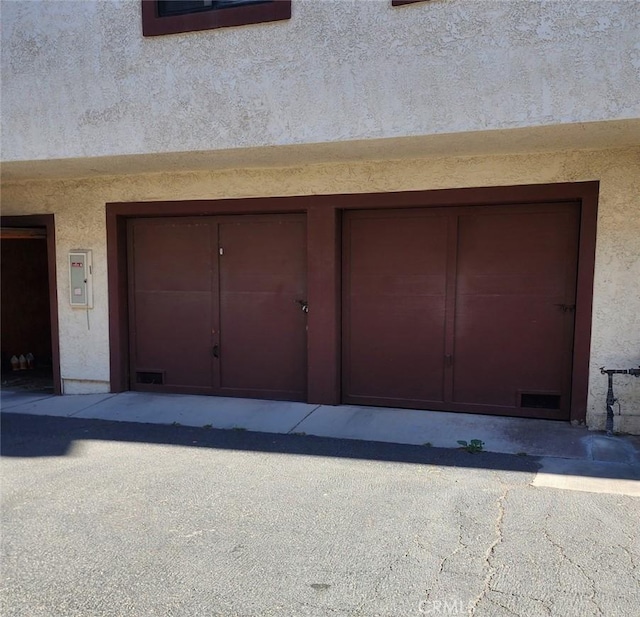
[[304, 305], [215, 351]]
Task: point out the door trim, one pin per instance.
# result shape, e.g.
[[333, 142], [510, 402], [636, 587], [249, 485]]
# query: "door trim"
[[47, 223], [323, 263]]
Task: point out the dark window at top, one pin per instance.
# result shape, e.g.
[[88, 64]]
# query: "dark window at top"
[[166, 8], [173, 16]]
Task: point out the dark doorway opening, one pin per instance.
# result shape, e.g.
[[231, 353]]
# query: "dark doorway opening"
[[29, 331]]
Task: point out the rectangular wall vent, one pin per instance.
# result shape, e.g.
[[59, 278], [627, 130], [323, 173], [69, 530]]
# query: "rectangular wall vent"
[[152, 377], [539, 401]]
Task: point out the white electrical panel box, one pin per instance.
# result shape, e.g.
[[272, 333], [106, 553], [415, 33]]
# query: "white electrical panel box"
[[80, 279]]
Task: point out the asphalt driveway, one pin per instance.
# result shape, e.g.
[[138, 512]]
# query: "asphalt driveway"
[[103, 518]]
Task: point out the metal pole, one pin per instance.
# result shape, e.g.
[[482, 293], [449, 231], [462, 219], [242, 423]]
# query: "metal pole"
[[611, 399], [610, 403]]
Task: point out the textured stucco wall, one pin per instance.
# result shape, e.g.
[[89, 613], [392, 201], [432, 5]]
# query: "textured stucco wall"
[[79, 206], [79, 80]]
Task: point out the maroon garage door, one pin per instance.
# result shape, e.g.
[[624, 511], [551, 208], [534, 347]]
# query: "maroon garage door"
[[463, 309], [214, 305]]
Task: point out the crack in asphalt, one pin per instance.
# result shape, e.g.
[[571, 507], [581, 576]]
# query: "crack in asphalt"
[[460, 545], [491, 570], [542, 602], [375, 594], [506, 608], [577, 566], [632, 560], [491, 537]]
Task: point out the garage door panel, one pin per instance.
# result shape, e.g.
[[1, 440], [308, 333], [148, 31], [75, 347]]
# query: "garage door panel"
[[173, 336], [534, 322], [394, 318], [383, 243], [503, 347], [262, 325], [403, 355], [413, 285], [263, 256], [172, 255], [258, 355], [526, 285], [513, 242], [214, 305], [515, 290], [254, 284], [468, 308]]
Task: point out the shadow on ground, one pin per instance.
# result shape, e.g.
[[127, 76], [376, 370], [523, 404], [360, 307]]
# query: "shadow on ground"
[[40, 436], [35, 436]]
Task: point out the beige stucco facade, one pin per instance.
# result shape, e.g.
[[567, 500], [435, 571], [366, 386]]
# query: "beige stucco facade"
[[86, 83], [348, 96], [79, 207]]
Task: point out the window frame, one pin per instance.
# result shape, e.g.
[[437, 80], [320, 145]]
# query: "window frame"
[[155, 25], [402, 2]]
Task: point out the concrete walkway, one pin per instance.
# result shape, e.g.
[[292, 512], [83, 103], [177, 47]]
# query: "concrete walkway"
[[565, 451]]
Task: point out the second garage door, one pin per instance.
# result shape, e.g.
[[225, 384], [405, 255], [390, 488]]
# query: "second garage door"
[[463, 309]]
